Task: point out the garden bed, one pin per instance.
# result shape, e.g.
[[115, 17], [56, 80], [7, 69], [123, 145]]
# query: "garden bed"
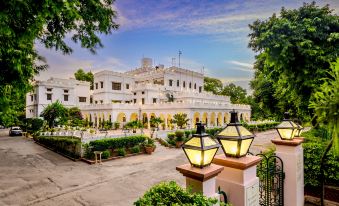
[[331, 193], [54, 150]]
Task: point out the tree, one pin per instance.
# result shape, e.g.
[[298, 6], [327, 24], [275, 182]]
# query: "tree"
[[180, 119], [135, 124], [325, 102], [75, 116], [83, 76], [155, 121], [24, 23], [237, 94], [295, 50], [54, 113], [212, 85]]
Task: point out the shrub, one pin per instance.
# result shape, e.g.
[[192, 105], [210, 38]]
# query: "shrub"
[[135, 149], [115, 143], [163, 142], [67, 145], [105, 154], [179, 134], [171, 141], [121, 152], [171, 135], [170, 193], [187, 133]]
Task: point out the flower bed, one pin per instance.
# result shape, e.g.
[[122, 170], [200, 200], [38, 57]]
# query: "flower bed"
[[66, 145]]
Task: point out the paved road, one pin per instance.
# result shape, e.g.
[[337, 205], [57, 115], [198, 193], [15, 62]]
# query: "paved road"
[[33, 175]]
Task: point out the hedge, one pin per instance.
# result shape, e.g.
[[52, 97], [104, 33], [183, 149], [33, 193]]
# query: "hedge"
[[314, 147], [67, 145], [260, 126], [115, 143]]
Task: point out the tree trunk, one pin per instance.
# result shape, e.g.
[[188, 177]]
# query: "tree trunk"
[[322, 175]]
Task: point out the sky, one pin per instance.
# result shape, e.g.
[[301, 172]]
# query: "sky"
[[211, 34]]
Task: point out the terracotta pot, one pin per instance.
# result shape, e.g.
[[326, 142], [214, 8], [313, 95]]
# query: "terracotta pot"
[[178, 144], [149, 150]]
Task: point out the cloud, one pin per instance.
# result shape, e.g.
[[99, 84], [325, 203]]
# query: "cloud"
[[241, 66]]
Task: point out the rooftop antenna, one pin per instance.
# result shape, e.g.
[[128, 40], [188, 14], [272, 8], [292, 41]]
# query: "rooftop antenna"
[[179, 57], [203, 70]]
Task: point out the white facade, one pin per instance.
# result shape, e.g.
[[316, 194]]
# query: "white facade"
[[143, 93], [69, 92]]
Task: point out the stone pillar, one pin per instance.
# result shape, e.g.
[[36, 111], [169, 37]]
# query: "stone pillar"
[[165, 121], [292, 155], [239, 179], [201, 180]]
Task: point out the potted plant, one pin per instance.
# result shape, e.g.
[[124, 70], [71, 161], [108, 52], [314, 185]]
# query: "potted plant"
[[179, 138], [149, 145]]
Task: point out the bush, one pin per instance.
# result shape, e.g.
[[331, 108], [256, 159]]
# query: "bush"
[[179, 134], [67, 145], [171, 141], [105, 154], [115, 143], [187, 133], [171, 135], [170, 193], [135, 149], [261, 126], [163, 142], [121, 152], [314, 147]]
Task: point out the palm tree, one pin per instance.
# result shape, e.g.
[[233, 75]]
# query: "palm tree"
[[53, 112], [180, 119], [325, 103]]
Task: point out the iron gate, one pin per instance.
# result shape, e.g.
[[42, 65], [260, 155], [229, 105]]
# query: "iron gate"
[[271, 180]]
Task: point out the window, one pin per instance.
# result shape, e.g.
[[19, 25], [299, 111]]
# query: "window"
[[170, 82], [96, 85], [31, 98], [190, 85], [82, 99], [90, 100], [154, 100], [49, 96], [195, 86], [126, 101], [96, 102], [127, 86], [135, 93], [116, 86], [102, 84], [134, 101], [49, 89], [178, 83], [65, 90], [143, 101], [184, 84], [142, 92], [66, 98], [101, 101], [200, 89], [35, 97]]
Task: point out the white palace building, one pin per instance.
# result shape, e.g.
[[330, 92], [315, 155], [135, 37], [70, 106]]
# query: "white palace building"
[[141, 93]]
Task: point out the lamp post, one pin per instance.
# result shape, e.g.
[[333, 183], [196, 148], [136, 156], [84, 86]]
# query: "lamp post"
[[235, 139], [287, 128], [299, 130], [200, 148], [200, 173]]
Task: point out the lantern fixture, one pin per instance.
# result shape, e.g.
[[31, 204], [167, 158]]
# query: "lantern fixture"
[[299, 130], [287, 128], [200, 149], [235, 139]]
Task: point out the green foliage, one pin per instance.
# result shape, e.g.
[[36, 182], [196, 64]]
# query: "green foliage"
[[237, 94], [121, 152], [325, 103], [187, 133], [115, 143], [170, 193], [133, 125], [170, 135], [180, 119], [105, 154], [179, 135], [54, 113], [213, 131], [64, 144], [294, 48], [155, 121], [149, 142], [260, 126], [135, 149], [213, 85], [32, 125], [74, 117], [116, 125], [25, 23], [83, 76]]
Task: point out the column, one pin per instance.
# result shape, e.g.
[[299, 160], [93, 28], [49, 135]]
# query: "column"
[[292, 155], [201, 180], [239, 179], [165, 122]]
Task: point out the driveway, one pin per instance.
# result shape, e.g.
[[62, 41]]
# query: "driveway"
[[33, 175]]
